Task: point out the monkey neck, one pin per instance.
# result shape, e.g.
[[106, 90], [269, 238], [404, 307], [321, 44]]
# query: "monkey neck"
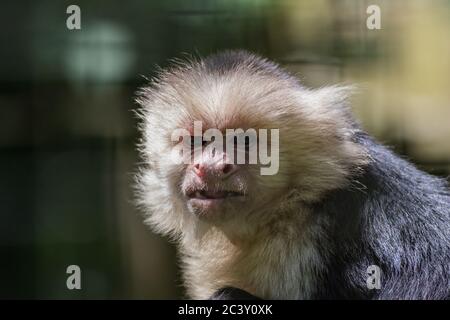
[[264, 262]]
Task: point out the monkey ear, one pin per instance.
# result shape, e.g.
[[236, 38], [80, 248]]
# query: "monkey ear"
[[336, 96], [330, 104]]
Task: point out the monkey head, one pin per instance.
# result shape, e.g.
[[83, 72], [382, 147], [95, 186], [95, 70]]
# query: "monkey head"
[[306, 140]]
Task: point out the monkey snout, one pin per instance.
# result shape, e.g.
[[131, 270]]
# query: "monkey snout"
[[220, 170]]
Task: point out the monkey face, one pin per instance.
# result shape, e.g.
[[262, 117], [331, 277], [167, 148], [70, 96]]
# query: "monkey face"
[[315, 153], [220, 182], [217, 176], [213, 187]]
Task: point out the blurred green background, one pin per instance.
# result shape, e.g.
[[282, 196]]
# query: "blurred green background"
[[67, 132]]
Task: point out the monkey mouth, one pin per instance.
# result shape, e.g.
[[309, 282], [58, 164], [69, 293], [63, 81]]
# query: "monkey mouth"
[[212, 195], [206, 203]]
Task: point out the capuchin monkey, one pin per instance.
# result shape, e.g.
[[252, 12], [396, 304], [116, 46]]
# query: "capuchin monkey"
[[338, 217]]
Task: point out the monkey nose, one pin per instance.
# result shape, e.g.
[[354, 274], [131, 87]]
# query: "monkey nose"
[[221, 170], [199, 170]]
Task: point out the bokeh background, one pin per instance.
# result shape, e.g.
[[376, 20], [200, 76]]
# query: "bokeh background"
[[67, 131]]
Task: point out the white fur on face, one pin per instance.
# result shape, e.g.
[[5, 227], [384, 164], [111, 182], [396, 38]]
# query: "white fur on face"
[[316, 155]]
